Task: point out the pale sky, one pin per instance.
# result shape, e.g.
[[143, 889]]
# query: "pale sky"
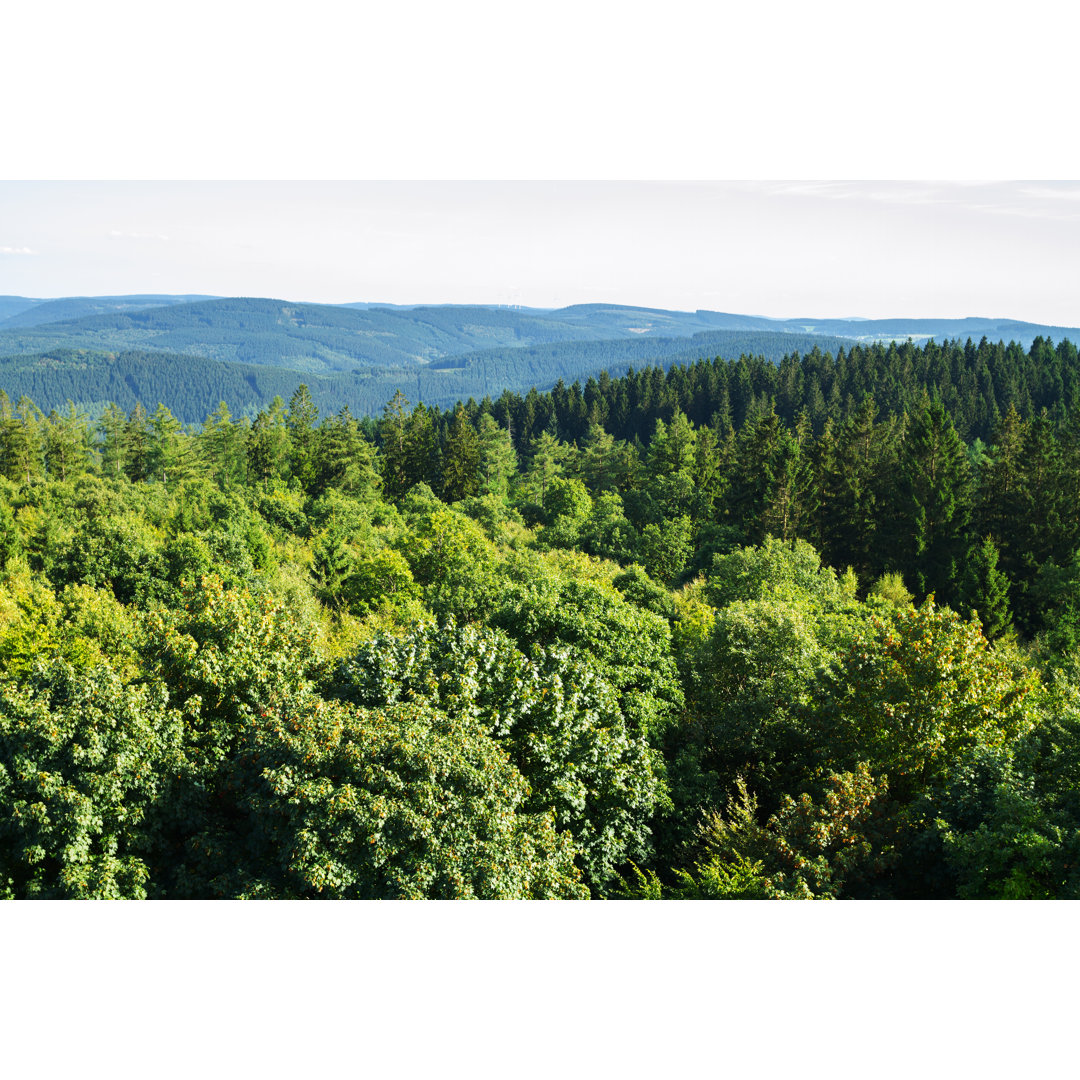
[[824, 248]]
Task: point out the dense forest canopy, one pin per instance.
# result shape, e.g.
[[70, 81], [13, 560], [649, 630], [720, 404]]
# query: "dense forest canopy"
[[734, 629]]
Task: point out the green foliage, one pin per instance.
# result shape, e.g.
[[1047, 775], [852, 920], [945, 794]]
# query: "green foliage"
[[915, 689], [401, 803], [751, 682], [558, 721], [807, 850], [665, 549], [775, 568], [891, 589], [607, 533], [640, 589], [627, 647], [568, 507], [336, 694], [934, 499], [83, 760], [986, 589], [451, 558], [1019, 851]]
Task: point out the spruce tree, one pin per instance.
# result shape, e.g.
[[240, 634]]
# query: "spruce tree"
[[985, 589], [303, 416], [394, 456], [136, 449], [112, 427], [423, 457], [461, 459], [498, 459], [933, 501], [268, 443]]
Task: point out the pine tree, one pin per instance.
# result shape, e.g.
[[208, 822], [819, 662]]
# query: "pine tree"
[[423, 457], [344, 459], [548, 456], [170, 456], [498, 459], [25, 439], [753, 485], [66, 439], [113, 451], [217, 444], [303, 416], [851, 517], [268, 443], [985, 589], [461, 459], [785, 506], [670, 465], [933, 501], [137, 444], [998, 502], [395, 463]]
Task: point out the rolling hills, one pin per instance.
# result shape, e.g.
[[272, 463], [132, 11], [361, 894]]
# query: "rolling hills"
[[194, 351]]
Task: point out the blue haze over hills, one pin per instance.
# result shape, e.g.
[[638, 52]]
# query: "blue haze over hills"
[[194, 348]]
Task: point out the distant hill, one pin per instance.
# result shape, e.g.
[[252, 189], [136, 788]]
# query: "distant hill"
[[192, 386], [40, 312], [306, 337], [340, 337], [193, 351], [13, 305]]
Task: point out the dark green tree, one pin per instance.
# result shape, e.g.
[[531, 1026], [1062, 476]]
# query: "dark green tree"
[[934, 496], [461, 459]]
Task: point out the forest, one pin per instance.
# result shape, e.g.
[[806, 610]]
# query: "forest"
[[734, 630]]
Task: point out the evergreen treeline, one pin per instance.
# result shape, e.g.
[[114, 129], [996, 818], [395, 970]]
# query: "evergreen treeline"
[[976, 383], [671, 636]]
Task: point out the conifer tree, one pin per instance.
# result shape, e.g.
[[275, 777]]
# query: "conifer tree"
[[112, 427], [344, 459], [933, 501], [170, 456], [303, 416], [851, 514], [985, 589], [66, 440], [498, 459], [423, 457], [25, 440], [670, 464], [268, 443], [754, 483], [998, 506], [218, 444], [394, 457], [137, 443], [461, 459], [548, 457], [783, 511]]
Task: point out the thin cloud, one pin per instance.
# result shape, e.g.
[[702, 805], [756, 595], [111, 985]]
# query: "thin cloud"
[[900, 192], [1069, 191], [125, 235], [1034, 200], [17, 251]]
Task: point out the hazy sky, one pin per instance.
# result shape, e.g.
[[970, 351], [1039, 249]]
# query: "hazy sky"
[[781, 249]]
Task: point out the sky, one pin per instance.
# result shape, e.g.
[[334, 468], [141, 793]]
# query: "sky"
[[784, 249]]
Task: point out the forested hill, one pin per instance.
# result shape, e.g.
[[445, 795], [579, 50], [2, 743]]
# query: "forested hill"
[[246, 352], [16, 312], [977, 383], [437, 354], [320, 338]]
